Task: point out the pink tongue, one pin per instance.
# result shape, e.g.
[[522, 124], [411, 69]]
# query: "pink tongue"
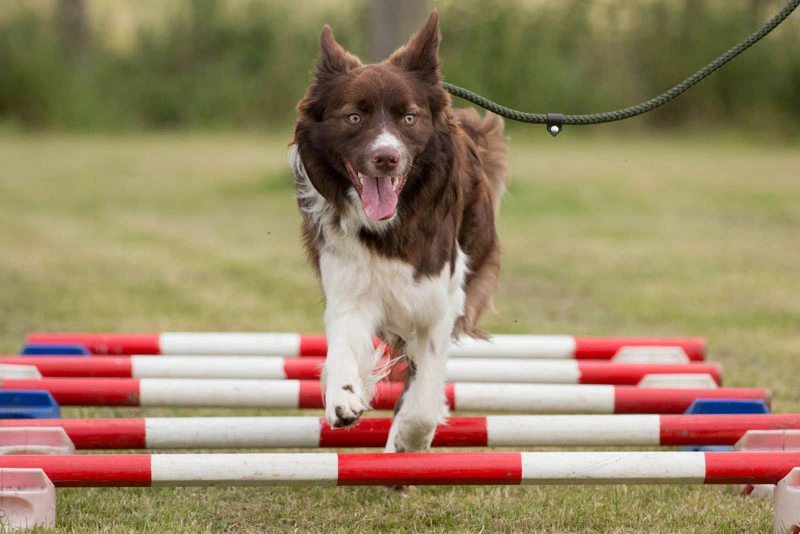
[[378, 197]]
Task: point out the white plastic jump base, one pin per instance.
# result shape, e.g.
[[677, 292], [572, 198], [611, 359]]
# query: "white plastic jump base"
[[278, 368], [488, 431], [27, 499], [674, 355], [293, 344], [18, 371], [35, 440], [679, 380], [767, 440], [532, 398], [786, 499]]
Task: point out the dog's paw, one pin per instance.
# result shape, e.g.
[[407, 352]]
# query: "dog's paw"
[[344, 405], [413, 434], [417, 444]]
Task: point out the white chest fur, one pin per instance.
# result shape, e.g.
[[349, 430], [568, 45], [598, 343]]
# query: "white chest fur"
[[386, 289], [405, 306]]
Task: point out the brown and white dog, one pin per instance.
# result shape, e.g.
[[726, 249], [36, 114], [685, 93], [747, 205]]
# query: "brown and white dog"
[[398, 193]]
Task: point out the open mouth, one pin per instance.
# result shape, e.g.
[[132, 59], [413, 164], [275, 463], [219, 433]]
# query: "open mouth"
[[378, 193]]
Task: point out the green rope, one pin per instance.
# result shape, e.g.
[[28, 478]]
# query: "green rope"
[[618, 115]]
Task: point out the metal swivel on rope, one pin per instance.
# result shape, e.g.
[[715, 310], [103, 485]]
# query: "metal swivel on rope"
[[555, 123]]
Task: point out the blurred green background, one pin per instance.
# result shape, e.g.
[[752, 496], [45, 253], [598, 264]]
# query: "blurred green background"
[[117, 65]]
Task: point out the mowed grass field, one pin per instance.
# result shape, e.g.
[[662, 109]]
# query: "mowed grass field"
[[656, 237]]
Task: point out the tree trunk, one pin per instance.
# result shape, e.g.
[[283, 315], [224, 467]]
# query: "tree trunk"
[[392, 23], [73, 27]]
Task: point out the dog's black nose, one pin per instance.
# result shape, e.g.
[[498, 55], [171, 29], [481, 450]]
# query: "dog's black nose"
[[385, 158]]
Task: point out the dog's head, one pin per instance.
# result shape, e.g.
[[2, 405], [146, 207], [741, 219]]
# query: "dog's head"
[[370, 124]]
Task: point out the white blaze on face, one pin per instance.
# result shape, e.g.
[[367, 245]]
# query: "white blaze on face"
[[379, 193], [387, 139]]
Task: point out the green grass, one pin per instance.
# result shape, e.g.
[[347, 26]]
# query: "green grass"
[[200, 232]]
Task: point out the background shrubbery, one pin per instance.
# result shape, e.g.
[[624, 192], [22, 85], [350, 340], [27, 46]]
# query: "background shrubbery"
[[216, 64]]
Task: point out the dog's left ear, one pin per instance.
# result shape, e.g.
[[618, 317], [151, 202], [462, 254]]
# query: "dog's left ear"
[[421, 53]]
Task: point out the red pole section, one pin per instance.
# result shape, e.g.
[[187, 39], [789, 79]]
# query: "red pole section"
[[369, 432], [92, 433], [720, 429], [75, 366], [656, 400], [83, 391], [607, 347], [313, 345], [386, 395], [103, 343], [303, 368], [373, 432], [630, 374], [749, 468], [480, 468], [88, 471]]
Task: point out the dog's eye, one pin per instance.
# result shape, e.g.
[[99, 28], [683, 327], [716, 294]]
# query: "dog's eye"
[[354, 118], [410, 118]]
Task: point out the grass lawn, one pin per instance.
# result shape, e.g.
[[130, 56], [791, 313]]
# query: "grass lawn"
[[601, 237]]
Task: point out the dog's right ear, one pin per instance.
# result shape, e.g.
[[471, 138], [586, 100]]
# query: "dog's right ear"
[[332, 62], [333, 59]]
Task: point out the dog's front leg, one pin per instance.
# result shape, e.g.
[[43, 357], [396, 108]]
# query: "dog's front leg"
[[351, 360], [423, 404], [351, 319]]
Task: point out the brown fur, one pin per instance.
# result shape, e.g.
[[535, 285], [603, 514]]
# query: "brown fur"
[[454, 183]]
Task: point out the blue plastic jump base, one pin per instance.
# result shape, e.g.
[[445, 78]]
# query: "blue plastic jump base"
[[726, 406], [54, 349], [723, 406], [20, 404]]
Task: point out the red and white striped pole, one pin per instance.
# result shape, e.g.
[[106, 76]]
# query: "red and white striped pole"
[[533, 398], [458, 468], [489, 431], [292, 344], [276, 368]]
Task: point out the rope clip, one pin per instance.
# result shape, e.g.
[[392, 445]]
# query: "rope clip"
[[555, 123]]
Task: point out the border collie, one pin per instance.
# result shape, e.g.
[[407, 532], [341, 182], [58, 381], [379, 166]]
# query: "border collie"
[[398, 193]]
